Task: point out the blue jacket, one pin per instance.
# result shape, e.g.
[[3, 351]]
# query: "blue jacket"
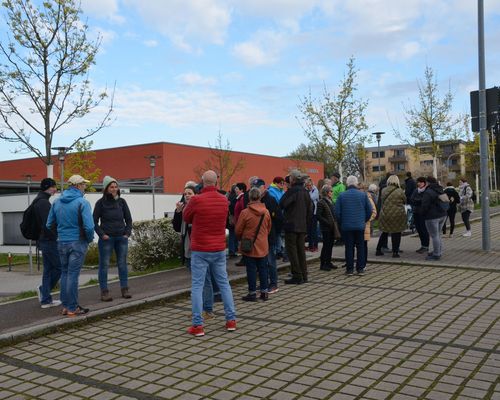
[[65, 214], [275, 192], [353, 209]]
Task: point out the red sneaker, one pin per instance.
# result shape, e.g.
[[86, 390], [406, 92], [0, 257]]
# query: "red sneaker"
[[196, 330], [231, 325]]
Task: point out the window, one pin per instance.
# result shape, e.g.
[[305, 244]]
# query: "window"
[[399, 153], [400, 166], [426, 163], [375, 168], [375, 154]]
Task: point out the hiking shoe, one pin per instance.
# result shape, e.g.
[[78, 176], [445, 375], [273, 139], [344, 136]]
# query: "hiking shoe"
[[125, 293], [432, 257], [422, 250], [264, 296], [333, 266], [53, 303], [79, 311], [207, 315], [196, 330], [293, 281], [231, 325], [39, 293], [105, 296], [396, 255], [361, 272], [250, 297], [273, 290], [325, 268], [379, 253]]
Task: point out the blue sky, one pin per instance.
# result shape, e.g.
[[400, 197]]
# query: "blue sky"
[[185, 69]]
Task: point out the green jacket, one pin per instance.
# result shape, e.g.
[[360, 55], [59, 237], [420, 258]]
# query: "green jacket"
[[392, 217], [337, 188]]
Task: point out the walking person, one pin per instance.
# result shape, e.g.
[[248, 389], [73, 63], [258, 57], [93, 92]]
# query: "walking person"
[[353, 210], [113, 225], [466, 205], [392, 218], [418, 215], [434, 216], [207, 213], [298, 208], [72, 215], [254, 226], [329, 227], [452, 211], [47, 243]]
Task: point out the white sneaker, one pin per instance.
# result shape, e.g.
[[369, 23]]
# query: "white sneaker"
[[467, 234], [54, 303], [39, 293]]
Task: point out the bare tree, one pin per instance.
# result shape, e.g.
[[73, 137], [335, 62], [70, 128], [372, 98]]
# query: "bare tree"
[[335, 121], [223, 161], [44, 82], [431, 120]]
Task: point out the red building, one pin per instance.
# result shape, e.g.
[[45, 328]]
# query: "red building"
[[177, 163]]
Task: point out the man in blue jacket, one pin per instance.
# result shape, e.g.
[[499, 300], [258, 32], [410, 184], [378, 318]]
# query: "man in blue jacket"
[[75, 230], [353, 210]]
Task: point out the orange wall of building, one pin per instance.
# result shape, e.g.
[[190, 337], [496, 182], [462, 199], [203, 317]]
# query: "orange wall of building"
[[177, 165]]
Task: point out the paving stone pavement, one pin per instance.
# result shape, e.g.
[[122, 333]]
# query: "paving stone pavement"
[[400, 331]]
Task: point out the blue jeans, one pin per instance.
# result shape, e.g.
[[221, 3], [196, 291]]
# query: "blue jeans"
[[51, 268], [254, 265], [354, 239], [120, 245], [232, 243], [272, 265], [202, 263], [72, 256], [208, 290]]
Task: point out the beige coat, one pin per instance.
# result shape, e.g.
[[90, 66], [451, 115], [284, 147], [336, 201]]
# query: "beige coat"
[[372, 217]]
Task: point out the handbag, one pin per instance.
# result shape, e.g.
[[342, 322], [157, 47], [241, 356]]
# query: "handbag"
[[247, 244]]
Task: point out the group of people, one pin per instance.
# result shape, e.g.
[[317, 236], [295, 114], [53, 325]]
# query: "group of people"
[[66, 229]]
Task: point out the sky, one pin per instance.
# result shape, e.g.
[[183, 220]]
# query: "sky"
[[185, 70]]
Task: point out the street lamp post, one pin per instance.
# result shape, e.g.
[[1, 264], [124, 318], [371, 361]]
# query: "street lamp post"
[[152, 163], [29, 180], [61, 155], [378, 136]]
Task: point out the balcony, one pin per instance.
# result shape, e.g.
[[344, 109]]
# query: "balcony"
[[398, 159]]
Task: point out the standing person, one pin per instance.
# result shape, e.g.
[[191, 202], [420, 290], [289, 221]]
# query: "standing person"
[[418, 215], [392, 218], [207, 213], [254, 223], [232, 241], [298, 208], [312, 231], [72, 215], [466, 204], [47, 243], [454, 200], [337, 186], [329, 228], [434, 216], [113, 225], [410, 186], [353, 210], [277, 190], [368, 227]]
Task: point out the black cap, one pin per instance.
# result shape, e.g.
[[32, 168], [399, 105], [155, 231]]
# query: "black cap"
[[47, 183]]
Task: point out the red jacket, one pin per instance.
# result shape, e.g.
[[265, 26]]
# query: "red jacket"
[[207, 212]]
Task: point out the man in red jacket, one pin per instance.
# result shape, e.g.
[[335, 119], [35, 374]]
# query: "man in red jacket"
[[207, 213]]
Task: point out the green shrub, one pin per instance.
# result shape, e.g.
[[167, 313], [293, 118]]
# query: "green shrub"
[[153, 242]]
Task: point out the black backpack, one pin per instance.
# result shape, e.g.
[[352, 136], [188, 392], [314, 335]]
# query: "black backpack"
[[30, 225]]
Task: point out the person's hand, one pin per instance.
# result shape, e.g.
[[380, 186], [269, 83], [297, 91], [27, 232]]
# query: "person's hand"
[[179, 206], [105, 237]]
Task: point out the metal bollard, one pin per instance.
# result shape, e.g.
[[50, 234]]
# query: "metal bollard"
[[9, 258]]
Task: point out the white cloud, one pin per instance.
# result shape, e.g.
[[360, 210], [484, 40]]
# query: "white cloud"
[[263, 49], [194, 79], [151, 43], [106, 9], [405, 51], [186, 21]]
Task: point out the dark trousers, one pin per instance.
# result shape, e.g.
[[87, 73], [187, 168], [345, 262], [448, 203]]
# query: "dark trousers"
[[354, 240], [421, 230], [451, 218], [326, 250], [296, 250], [395, 240], [465, 218], [312, 232]]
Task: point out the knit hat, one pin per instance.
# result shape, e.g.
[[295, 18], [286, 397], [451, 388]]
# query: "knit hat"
[[47, 183], [258, 182], [108, 180]]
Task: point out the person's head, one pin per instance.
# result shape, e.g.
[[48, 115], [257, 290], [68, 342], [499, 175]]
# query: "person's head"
[[254, 194], [209, 178], [110, 186], [351, 181], [189, 192], [421, 182], [335, 177], [326, 191], [393, 180], [309, 184], [259, 184], [373, 188], [295, 177], [463, 180], [240, 187], [408, 174], [327, 181], [190, 183], [78, 182], [251, 179], [431, 180], [48, 185], [279, 182]]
